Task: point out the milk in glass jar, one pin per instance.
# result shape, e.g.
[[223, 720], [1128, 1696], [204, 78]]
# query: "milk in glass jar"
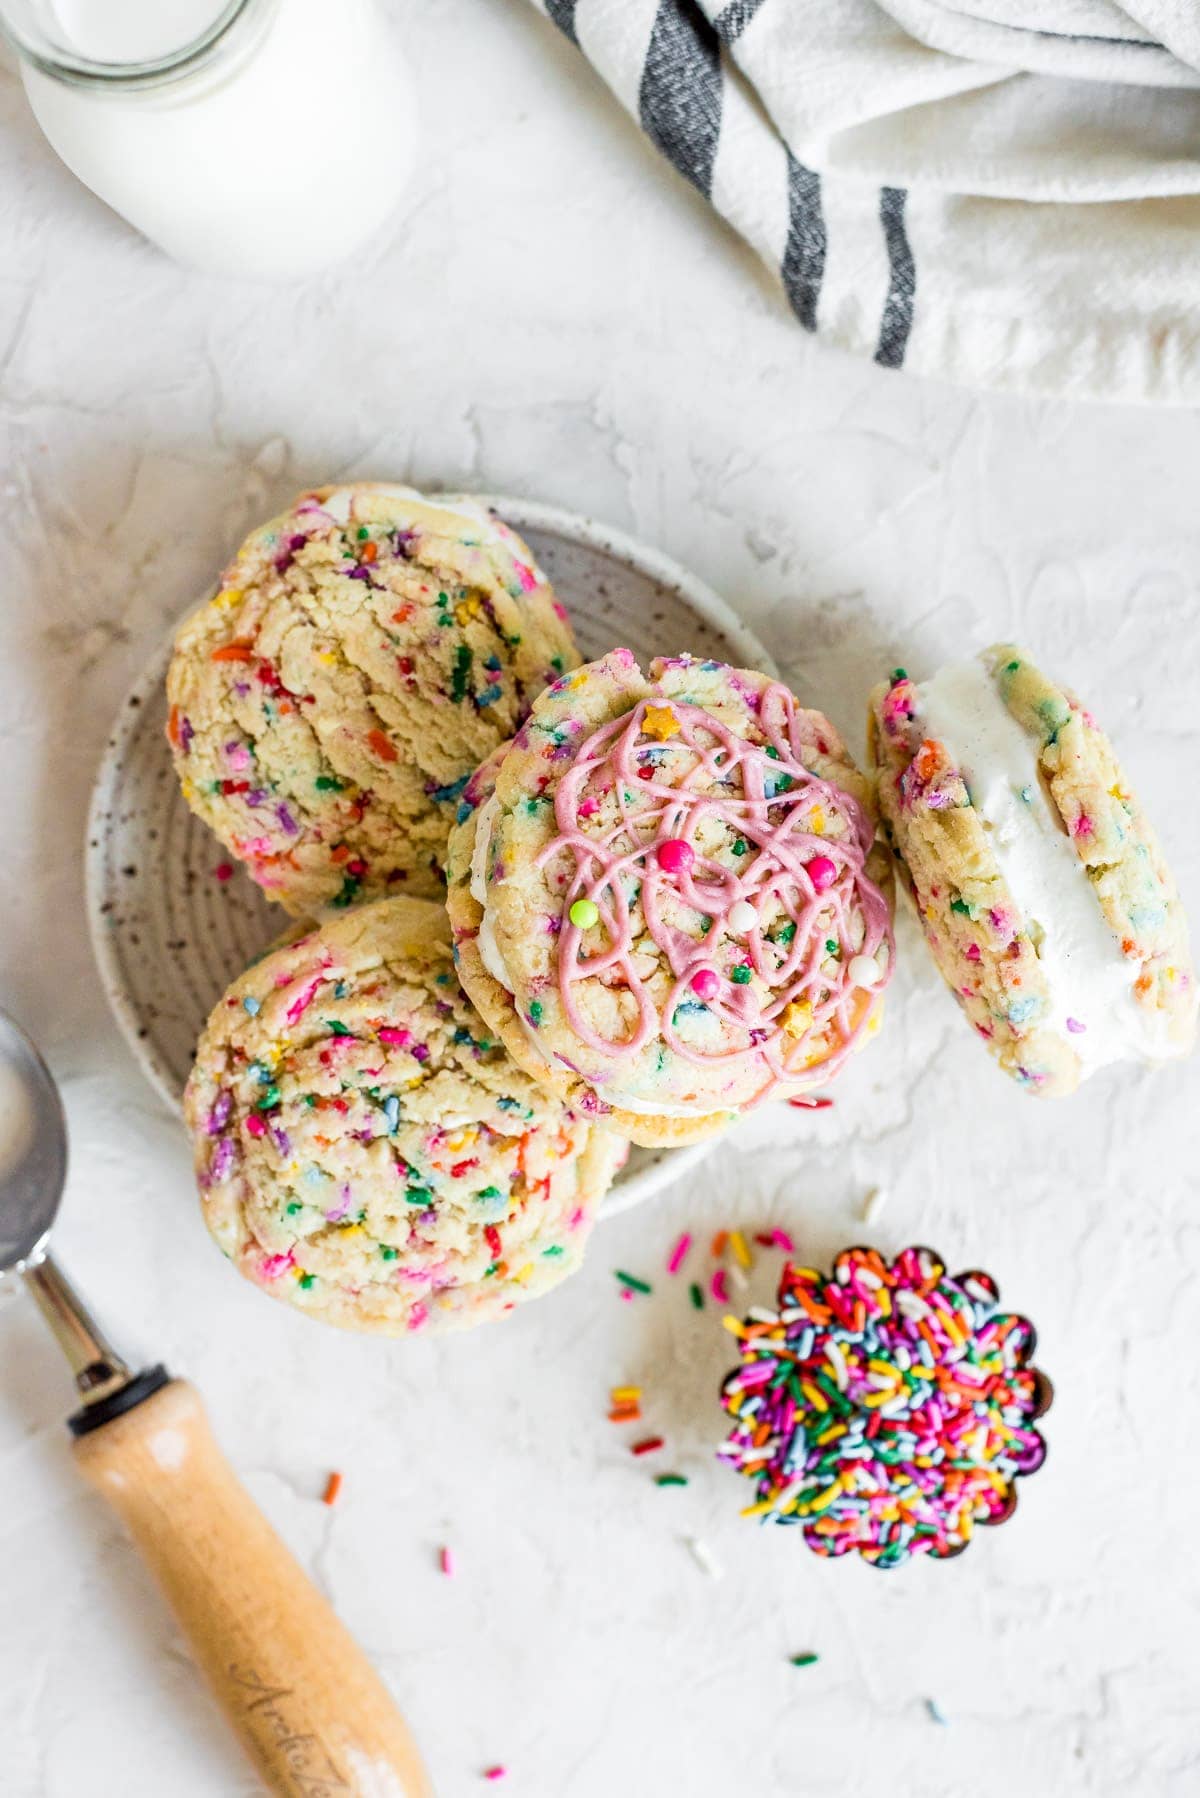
[[263, 139]]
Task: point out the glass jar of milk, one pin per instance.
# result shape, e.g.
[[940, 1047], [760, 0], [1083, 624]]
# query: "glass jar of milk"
[[264, 139]]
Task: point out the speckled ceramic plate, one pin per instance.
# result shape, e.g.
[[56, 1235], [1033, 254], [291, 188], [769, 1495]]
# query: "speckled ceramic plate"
[[169, 936]]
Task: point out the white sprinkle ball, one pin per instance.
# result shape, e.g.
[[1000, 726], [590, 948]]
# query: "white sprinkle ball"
[[742, 915]]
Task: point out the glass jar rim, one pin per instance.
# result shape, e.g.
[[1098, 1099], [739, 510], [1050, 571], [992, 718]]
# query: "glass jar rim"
[[64, 64]]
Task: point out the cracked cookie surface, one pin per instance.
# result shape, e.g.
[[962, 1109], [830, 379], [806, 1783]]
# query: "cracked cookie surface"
[[365, 652], [365, 1148]]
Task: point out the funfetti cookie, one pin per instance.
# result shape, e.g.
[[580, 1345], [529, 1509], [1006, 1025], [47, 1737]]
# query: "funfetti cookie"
[[364, 653], [667, 896], [365, 1149], [1039, 883]]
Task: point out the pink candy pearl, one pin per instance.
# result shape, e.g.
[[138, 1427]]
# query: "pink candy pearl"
[[705, 984], [821, 871], [675, 856]]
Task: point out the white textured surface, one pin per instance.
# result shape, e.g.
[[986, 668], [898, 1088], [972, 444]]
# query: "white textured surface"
[[556, 315]]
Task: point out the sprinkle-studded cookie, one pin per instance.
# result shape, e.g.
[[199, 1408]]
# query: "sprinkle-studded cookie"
[[364, 652], [667, 895], [365, 1148], [1039, 883]]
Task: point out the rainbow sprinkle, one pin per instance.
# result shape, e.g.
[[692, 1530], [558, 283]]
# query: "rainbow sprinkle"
[[679, 1253], [887, 1409]]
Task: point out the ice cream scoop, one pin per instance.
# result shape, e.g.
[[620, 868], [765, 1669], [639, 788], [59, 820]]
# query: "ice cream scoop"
[[307, 1704]]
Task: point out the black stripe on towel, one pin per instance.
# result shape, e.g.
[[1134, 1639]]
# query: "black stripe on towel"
[[803, 267], [680, 99], [902, 284], [733, 19], [562, 12]]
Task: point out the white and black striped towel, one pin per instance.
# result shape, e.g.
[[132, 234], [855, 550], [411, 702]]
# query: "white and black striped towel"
[[998, 192]]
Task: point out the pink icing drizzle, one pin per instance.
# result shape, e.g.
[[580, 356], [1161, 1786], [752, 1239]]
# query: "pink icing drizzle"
[[724, 782]]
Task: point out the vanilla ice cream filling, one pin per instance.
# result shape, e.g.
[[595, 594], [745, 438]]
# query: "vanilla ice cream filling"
[[492, 958], [343, 502], [1088, 980]]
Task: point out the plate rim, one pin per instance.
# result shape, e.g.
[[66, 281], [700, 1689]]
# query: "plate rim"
[[522, 515]]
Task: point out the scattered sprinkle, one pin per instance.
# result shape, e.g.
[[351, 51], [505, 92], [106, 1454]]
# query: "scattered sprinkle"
[[495, 1772], [679, 1253], [720, 1286], [333, 1486], [647, 1445], [805, 1103], [697, 1296], [632, 1283], [625, 1395], [783, 1241], [224, 871], [804, 1660], [251, 1005], [738, 1244], [703, 1556], [936, 1714], [873, 1204], [669, 1479]]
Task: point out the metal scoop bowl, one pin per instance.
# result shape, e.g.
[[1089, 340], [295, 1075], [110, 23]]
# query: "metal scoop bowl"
[[33, 1171]]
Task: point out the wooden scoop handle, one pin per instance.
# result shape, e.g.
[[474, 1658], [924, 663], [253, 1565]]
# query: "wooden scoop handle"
[[315, 1716]]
